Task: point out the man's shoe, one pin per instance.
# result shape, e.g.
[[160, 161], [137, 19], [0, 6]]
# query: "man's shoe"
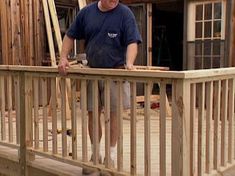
[[89, 170]]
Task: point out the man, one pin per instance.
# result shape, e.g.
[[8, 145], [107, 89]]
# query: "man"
[[111, 41]]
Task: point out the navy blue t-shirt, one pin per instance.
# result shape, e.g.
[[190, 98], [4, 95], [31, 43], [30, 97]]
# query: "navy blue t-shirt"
[[106, 34]]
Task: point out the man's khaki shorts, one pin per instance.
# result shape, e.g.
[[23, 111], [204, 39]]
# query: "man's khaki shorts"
[[113, 95]]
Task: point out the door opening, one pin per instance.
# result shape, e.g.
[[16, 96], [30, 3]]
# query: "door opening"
[[168, 35]]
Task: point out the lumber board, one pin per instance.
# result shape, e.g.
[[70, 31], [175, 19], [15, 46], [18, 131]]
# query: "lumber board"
[[55, 23], [82, 3], [52, 9], [49, 33], [152, 98]]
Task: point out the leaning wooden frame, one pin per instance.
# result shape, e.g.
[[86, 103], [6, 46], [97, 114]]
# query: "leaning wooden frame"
[[202, 121]]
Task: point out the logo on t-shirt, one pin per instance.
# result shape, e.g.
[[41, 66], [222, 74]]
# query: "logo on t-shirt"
[[112, 35]]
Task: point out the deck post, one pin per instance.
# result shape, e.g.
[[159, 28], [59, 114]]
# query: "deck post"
[[23, 149], [28, 112], [181, 128], [25, 122]]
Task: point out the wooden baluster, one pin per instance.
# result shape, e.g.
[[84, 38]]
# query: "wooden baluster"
[[224, 126], [9, 108], [163, 97], [133, 129], [120, 125], [192, 123], [147, 142], [63, 117], [201, 135], [216, 112], [95, 116], [74, 119], [54, 114], [107, 123], [17, 107], [45, 115], [36, 111], [209, 103], [84, 119], [3, 108], [231, 121]]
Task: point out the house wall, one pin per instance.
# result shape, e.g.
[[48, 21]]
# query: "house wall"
[[226, 58], [22, 40]]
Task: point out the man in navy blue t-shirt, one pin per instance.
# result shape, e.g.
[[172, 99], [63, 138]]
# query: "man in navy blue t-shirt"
[[111, 38]]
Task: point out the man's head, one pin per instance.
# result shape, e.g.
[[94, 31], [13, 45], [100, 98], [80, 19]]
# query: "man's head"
[[107, 5]]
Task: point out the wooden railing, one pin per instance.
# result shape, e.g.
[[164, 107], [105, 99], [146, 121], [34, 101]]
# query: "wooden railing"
[[198, 140]]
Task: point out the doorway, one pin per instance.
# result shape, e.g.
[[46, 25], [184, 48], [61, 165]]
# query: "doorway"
[[168, 19]]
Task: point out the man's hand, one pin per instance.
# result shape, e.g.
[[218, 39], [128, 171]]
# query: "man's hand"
[[129, 67], [63, 65]]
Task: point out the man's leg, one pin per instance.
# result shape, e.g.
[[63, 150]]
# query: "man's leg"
[[113, 129], [90, 127], [87, 171], [113, 135]]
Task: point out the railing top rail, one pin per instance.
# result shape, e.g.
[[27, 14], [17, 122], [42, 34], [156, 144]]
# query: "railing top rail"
[[153, 72]]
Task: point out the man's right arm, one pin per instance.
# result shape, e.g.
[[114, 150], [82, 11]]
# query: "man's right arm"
[[67, 46]]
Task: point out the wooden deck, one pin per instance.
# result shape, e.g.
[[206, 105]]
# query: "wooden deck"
[[126, 143], [48, 164]]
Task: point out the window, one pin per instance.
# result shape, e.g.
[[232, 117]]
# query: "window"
[[206, 33]]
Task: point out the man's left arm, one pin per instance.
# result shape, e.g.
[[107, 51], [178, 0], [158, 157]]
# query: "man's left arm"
[[131, 53]]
